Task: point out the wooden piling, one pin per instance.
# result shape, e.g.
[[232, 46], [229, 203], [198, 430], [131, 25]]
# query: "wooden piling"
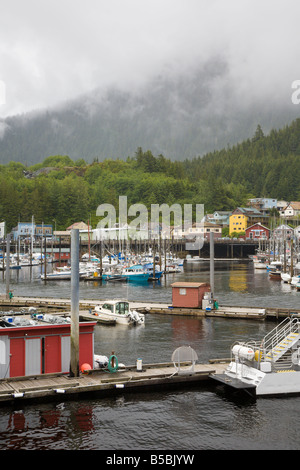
[[74, 362]]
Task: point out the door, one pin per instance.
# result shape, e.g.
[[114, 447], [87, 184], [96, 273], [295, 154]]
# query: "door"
[[52, 354], [17, 357], [4, 357], [65, 353], [32, 356]]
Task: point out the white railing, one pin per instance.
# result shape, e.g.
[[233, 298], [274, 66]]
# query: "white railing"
[[265, 350], [280, 332]]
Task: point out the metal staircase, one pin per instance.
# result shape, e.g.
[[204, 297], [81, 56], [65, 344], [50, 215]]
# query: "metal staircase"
[[280, 340]]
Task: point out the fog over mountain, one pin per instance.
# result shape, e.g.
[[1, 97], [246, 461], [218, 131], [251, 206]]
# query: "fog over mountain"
[[180, 116], [177, 77]]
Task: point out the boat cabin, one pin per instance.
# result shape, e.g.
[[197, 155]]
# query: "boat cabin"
[[120, 307]]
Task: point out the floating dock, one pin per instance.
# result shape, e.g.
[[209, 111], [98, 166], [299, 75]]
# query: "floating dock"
[[86, 306], [59, 387]]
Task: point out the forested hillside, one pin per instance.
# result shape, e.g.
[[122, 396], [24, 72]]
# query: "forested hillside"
[[63, 191], [266, 166]]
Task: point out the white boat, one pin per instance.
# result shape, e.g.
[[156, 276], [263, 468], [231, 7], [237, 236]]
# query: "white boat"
[[192, 259], [274, 265], [285, 277], [63, 273], [295, 280], [119, 311], [270, 366], [259, 264]]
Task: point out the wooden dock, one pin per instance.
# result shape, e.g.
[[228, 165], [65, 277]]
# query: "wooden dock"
[[87, 305], [60, 387]]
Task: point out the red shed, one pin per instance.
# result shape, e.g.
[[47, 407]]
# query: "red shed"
[[189, 294], [40, 348]]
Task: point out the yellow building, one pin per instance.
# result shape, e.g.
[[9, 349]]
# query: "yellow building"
[[241, 216], [237, 223]]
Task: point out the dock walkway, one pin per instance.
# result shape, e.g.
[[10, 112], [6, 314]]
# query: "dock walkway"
[[61, 387], [85, 305]]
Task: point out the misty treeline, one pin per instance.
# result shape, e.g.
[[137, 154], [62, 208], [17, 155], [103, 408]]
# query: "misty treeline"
[[62, 191]]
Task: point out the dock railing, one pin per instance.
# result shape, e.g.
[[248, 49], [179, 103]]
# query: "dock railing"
[[280, 332], [275, 346]]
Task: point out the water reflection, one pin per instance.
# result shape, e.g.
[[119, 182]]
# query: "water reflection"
[[205, 417]]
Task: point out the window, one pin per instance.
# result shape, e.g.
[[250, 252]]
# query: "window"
[[107, 307], [182, 291]]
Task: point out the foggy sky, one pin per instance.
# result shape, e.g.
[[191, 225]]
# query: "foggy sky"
[[53, 51]]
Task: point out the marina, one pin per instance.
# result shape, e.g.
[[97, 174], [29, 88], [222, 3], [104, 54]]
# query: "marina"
[[122, 397]]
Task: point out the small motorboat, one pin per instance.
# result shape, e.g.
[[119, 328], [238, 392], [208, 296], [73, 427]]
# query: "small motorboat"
[[120, 312]]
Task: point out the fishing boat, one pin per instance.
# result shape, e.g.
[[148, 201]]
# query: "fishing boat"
[[274, 266], [270, 366], [135, 273], [120, 312], [148, 267], [275, 274], [274, 270]]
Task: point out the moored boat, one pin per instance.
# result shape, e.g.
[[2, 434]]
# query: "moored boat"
[[135, 273], [285, 277], [120, 312], [275, 274]]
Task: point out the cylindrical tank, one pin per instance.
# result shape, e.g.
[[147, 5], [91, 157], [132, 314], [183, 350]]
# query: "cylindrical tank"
[[243, 352]]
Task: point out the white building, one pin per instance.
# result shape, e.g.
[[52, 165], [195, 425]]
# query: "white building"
[[283, 232], [2, 230], [297, 232], [291, 210]]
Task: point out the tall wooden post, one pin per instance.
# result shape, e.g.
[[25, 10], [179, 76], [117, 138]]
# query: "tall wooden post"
[[7, 269], [74, 363], [212, 266]]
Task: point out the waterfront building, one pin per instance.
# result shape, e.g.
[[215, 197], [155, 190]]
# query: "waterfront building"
[[291, 210], [219, 217], [283, 232], [43, 230], [297, 232], [2, 230], [263, 204], [23, 230], [243, 217], [257, 231]]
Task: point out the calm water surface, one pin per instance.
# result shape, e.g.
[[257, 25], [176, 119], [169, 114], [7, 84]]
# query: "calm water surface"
[[189, 419]]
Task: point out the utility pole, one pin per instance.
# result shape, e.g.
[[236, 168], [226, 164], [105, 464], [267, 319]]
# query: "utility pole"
[[7, 269], [74, 363]]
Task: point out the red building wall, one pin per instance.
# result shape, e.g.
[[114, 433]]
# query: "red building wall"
[[252, 232], [188, 294], [50, 346]]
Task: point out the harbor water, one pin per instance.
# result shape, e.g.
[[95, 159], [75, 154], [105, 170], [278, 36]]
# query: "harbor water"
[[205, 417]]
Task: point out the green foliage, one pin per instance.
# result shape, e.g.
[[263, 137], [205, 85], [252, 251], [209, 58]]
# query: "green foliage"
[[62, 191], [266, 166]]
